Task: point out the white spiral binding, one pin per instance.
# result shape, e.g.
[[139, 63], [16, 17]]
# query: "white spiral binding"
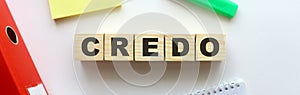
[[231, 88]]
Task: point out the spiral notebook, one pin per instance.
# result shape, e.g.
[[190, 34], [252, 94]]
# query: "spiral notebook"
[[237, 87]]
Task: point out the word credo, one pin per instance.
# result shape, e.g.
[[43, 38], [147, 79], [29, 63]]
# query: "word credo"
[[150, 47]]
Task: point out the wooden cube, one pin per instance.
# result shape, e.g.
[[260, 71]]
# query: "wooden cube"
[[210, 47], [88, 47], [118, 47], [180, 47], [149, 47]]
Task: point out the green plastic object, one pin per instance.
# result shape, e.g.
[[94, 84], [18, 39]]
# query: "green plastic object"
[[222, 7]]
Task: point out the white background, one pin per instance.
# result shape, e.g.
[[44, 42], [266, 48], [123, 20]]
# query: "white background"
[[262, 40]]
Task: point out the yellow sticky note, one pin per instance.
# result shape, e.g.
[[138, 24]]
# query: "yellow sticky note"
[[66, 8]]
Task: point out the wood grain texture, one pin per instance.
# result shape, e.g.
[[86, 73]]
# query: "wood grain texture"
[[190, 56], [79, 55], [119, 57], [139, 47], [222, 47]]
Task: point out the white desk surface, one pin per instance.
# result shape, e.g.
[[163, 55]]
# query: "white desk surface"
[[263, 45]]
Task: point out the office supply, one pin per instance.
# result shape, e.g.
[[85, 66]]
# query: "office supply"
[[237, 87], [66, 8], [223, 7], [17, 71]]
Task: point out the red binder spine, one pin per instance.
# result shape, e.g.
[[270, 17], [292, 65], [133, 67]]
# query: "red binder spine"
[[18, 75]]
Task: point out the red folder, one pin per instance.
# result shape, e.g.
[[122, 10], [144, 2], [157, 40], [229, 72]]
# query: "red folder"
[[18, 75]]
